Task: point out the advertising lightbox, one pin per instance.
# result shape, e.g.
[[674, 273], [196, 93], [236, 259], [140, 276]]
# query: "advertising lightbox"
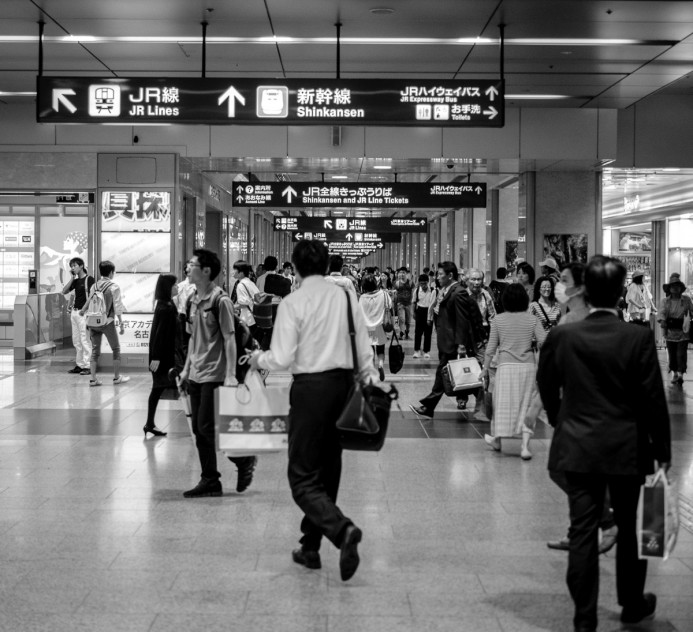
[[137, 252]]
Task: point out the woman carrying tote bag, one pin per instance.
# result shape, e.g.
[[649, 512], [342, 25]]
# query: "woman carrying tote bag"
[[374, 303]]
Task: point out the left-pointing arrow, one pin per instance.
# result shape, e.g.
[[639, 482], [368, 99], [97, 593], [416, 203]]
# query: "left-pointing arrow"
[[60, 96], [231, 95]]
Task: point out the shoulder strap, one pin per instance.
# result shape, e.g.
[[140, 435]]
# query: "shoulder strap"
[[548, 322], [352, 334]]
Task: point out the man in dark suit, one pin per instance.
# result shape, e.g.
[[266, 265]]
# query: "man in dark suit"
[[602, 388], [459, 330]]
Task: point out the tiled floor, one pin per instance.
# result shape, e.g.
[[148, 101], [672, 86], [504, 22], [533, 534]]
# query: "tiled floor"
[[95, 535]]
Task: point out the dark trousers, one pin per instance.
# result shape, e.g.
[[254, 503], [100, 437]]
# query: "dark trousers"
[[586, 497], [431, 400], [315, 456], [422, 328], [678, 355]]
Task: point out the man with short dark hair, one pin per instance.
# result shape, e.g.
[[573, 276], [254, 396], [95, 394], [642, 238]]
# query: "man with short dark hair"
[[459, 330], [314, 344], [211, 362], [497, 287], [80, 283], [334, 274], [601, 384]]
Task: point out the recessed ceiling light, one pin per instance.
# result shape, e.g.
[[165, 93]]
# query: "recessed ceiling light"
[[381, 11], [382, 167], [339, 177]]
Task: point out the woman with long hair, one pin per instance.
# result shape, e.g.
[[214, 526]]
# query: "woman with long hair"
[[512, 335], [544, 304], [671, 315], [525, 275], [375, 302], [165, 346]]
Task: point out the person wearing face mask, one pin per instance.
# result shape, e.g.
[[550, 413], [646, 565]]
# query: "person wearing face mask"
[[570, 293]]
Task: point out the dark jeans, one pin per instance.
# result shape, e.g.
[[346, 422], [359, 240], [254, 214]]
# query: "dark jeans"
[[315, 456], [678, 355], [586, 496], [202, 412], [422, 328]]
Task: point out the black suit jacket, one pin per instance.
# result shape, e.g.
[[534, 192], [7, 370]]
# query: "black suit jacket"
[[459, 322], [602, 388]]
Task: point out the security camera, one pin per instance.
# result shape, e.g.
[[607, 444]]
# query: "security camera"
[[450, 164]]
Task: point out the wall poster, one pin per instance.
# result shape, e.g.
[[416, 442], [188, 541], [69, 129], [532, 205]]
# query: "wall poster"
[[17, 240], [634, 242], [566, 248], [512, 256], [62, 239]]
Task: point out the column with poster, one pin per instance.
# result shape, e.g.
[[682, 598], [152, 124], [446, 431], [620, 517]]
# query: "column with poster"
[[136, 237]]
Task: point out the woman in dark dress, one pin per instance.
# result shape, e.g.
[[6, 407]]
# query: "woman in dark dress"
[[165, 345]]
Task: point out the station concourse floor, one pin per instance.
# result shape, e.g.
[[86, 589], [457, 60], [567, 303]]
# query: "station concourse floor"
[[96, 536]]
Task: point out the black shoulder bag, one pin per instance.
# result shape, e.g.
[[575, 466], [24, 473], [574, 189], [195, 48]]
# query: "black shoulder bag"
[[363, 422]]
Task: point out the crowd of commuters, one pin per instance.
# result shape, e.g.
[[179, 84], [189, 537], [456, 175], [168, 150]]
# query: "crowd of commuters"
[[541, 343]]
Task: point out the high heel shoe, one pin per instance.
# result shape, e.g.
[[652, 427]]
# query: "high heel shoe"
[[154, 430]]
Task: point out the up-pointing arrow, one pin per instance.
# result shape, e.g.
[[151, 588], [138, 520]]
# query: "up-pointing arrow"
[[491, 112], [239, 198], [240, 188], [478, 190], [231, 95], [491, 92], [288, 193], [349, 236], [60, 96], [422, 222]]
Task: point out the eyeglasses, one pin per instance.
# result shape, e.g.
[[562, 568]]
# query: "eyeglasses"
[[192, 264]]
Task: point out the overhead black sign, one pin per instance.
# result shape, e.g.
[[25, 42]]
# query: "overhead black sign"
[[355, 236], [74, 198], [350, 248], [425, 103], [343, 225], [358, 195]]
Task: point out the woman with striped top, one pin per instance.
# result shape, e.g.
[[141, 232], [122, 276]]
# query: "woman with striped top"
[[512, 334]]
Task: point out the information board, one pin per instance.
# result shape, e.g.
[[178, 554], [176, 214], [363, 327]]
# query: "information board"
[[264, 101], [343, 225], [355, 194], [356, 237]]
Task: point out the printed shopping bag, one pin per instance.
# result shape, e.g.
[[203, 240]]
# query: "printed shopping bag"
[[464, 374], [251, 418], [658, 517]]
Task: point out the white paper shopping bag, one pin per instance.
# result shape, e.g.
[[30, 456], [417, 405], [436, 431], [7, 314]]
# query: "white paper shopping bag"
[[251, 418]]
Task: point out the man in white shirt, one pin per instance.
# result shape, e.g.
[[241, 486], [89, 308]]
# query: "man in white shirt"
[[335, 274], [312, 341]]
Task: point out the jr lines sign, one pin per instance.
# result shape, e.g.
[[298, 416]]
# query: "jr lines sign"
[[356, 194], [443, 103]]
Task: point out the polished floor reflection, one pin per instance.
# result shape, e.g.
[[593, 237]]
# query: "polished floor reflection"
[[95, 535]]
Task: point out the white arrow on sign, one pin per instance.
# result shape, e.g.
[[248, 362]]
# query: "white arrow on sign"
[[231, 95], [491, 92], [327, 224], [380, 245], [349, 236], [239, 198], [478, 190], [288, 193], [60, 96], [240, 188], [491, 112], [422, 222], [299, 236]]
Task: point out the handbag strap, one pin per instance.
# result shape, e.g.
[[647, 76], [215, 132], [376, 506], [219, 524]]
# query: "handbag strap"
[[352, 334]]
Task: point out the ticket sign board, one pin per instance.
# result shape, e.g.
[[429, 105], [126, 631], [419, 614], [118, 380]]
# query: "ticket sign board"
[[358, 195], [355, 236], [343, 225], [423, 103]]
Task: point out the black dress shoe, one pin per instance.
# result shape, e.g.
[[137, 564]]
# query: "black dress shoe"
[[309, 559], [349, 555], [644, 610], [204, 488], [246, 467], [421, 411]]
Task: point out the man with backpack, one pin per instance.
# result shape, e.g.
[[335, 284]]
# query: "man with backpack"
[[273, 288], [102, 311], [497, 287], [211, 362], [80, 283]]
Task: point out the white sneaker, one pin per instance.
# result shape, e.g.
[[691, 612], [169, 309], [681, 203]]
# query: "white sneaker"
[[417, 354], [121, 379], [494, 442], [95, 382], [427, 356]]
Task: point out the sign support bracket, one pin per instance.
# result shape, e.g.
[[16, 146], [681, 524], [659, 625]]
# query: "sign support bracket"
[[501, 27], [338, 25], [204, 25], [42, 25]]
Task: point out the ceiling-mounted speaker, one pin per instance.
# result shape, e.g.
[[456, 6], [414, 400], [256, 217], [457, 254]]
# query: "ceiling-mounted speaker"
[[336, 133]]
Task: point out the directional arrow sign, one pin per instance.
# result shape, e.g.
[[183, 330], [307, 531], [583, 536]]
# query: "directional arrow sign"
[[231, 95], [380, 245], [239, 199], [491, 112], [288, 193], [491, 92], [478, 190], [60, 96], [349, 236], [327, 224]]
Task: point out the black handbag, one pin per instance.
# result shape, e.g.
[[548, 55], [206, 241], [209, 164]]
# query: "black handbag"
[[395, 354], [363, 423]]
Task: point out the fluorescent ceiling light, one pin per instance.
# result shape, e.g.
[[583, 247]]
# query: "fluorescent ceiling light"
[[546, 97], [17, 94], [279, 39], [382, 167], [339, 177]]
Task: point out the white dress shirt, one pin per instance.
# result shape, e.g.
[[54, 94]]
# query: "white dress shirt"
[[311, 332]]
